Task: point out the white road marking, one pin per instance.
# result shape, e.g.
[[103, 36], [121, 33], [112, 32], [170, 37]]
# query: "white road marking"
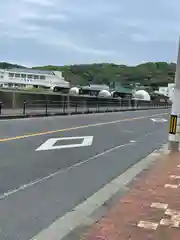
[[159, 205], [148, 225], [23, 187], [71, 220], [159, 120], [49, 144], [154, 155], [75, 128]]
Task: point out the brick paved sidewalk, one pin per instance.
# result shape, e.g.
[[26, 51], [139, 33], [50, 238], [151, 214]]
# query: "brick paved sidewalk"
[[149, 211]]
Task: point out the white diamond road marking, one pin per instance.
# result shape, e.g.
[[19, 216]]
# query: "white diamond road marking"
[[49, 144]]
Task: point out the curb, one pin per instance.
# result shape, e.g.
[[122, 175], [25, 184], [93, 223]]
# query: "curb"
[[21, 116], [73, 224]]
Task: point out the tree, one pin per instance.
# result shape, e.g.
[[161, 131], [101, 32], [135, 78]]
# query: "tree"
[[149, 74]]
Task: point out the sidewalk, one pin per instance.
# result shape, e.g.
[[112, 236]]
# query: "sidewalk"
[[149, 211]]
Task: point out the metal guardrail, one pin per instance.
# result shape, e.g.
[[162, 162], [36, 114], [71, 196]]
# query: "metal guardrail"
[[46, 108]]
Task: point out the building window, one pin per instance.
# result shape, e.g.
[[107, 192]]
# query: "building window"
[[42, 77], [29, 76], [23, 75], [36, 77], [2, 77], [11, 74], [17, 75]]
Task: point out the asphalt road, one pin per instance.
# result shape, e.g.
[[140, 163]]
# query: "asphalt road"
[[37, 187]]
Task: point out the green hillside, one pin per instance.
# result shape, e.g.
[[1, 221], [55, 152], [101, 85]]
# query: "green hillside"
[[149, 74]]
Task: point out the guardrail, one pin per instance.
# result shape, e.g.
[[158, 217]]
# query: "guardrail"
[[46, 108]]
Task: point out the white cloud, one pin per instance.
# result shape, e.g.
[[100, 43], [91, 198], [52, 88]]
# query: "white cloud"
[[70, 31], [40, 2]]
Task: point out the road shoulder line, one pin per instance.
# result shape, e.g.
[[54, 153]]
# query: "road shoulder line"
[[79, 215]]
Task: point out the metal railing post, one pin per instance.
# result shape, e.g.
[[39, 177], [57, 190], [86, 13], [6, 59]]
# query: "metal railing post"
[[0, 108], [24, 107], [64, 106], [98, 107], [68, 104], [76, 106], [46, 108]]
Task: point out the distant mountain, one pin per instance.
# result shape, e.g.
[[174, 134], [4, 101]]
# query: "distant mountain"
[[151, 74], [5, 65]]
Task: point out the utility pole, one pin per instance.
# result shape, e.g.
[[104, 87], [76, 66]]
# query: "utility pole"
[[174, 129]]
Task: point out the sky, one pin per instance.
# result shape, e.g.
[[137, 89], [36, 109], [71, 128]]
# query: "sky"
[[60, 32]]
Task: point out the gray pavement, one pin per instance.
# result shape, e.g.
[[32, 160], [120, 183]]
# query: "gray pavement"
[[32, 198]]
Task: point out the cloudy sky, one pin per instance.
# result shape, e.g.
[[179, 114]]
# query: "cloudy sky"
[[41, 32]]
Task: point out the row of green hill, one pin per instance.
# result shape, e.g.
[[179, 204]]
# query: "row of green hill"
[[150, 74]]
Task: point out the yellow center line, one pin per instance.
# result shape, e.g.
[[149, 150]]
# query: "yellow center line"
[[77, 127]]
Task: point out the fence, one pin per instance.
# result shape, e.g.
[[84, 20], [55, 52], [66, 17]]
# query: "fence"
[[78, 106]]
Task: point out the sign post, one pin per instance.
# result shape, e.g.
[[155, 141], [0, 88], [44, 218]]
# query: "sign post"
[[174, 128]]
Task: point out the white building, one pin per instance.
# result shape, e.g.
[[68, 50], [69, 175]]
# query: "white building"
[[164, 91], [171, 90], [25, 77], [167, 91]]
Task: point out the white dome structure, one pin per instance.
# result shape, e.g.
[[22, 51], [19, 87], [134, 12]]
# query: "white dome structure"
[[74, 91], [142, 95], [104, 93]]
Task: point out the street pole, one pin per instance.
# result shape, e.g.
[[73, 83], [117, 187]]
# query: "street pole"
[[174, 129]]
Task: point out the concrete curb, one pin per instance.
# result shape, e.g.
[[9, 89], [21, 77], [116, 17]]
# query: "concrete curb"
[[20, 116], [74, 223]]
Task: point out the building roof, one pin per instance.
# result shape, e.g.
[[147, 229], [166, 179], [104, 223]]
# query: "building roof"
[[30, 70], [96, 87], [122, 89]]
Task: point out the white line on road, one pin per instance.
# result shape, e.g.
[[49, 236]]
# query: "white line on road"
[[50, 143], [77, 127], [71, 220], [23, 187]]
